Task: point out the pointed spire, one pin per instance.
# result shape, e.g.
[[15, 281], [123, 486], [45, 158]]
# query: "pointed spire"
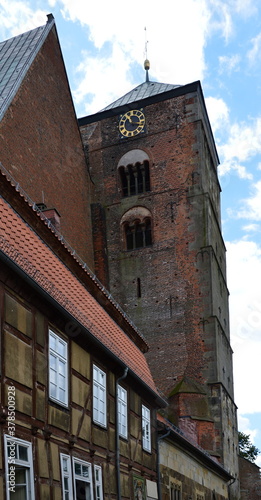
[[146, 62]]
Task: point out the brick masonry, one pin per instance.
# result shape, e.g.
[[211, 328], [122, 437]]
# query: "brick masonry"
[[45, 155], [182, 304]]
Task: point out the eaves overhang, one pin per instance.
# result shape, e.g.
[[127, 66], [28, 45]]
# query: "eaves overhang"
[[177, 91], [164, 96], [79, 327], [176, 437]]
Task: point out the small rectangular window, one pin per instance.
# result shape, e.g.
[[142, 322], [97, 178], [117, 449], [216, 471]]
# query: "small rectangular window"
[[146, 433], [175, 491], [98, 482], [58, 369], [19, 469], [99, 396], [122, 412], [66, 469]]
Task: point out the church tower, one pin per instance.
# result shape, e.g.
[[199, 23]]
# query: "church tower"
[[158, 248]]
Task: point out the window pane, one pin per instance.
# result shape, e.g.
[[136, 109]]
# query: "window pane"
[[62, 382], [20, 492], [77, 469], [85, 471], [61, 367], [61, 348], [52, 342], [52, 361], [22, 453], [53, 376], [83, 491], [65, 464], [53, 390], [62, 395]]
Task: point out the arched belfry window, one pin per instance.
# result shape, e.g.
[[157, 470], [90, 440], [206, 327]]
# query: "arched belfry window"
[[136, 224], [134, 172]]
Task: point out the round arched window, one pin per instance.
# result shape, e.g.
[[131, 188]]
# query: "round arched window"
[[134, 173], [136, 224]]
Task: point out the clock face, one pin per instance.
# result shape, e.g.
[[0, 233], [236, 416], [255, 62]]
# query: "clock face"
[[132, 123]]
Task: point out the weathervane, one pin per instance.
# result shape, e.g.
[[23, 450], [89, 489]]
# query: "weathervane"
[[146, 62]]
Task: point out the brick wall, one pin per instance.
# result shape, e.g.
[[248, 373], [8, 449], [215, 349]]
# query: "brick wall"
[[41, 146], [174, 290]]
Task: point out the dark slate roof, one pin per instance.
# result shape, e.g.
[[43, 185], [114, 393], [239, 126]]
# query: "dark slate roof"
[[16, 56], [144, 90]]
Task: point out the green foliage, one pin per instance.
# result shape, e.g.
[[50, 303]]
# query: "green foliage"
[[246, 448]]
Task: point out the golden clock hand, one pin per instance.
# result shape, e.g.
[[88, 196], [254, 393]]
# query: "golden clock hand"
[[137, 122]]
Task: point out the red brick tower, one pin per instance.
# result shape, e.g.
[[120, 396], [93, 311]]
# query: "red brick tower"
[[158, 247]]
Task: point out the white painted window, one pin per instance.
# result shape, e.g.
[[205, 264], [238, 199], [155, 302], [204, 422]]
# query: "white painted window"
[[67, 487], [82, 474], [77, 479], [99, 396], [98, 482], [122, 411], [146, 434], [58, 369], [19, 469]]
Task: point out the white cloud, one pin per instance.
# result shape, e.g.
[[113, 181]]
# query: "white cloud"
[[18, 17], [255, 53], [165, 34], [244, 268], [250, 207], [244, 425], [120, 43], [107, 87], [243, 143], [249, 228], [246, 8], [229, 64], [244, 140], [218, 113]]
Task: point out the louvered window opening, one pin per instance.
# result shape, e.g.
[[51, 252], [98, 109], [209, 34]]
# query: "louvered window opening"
[[138, 234], [135, 179]]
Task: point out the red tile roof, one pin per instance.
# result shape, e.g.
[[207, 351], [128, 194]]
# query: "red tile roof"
[[25, 248]]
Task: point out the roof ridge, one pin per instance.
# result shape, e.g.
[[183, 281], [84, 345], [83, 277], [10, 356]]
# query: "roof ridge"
[[20, 74], [69, 249], [141, 91]]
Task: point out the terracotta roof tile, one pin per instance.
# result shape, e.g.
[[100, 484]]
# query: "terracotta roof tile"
[[24, 247]]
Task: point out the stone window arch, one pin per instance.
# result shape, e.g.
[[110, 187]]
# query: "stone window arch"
[[137, 228], [134, 173]]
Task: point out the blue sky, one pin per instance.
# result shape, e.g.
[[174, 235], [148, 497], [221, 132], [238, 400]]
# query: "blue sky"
[[219, 43]]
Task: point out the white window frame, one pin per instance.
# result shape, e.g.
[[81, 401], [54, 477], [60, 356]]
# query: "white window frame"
[[81, 477], [12, 459], [98, 482], [99, 397], [146, 431], [66, 474], [56, 375], [70, 474], [122, 412]]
